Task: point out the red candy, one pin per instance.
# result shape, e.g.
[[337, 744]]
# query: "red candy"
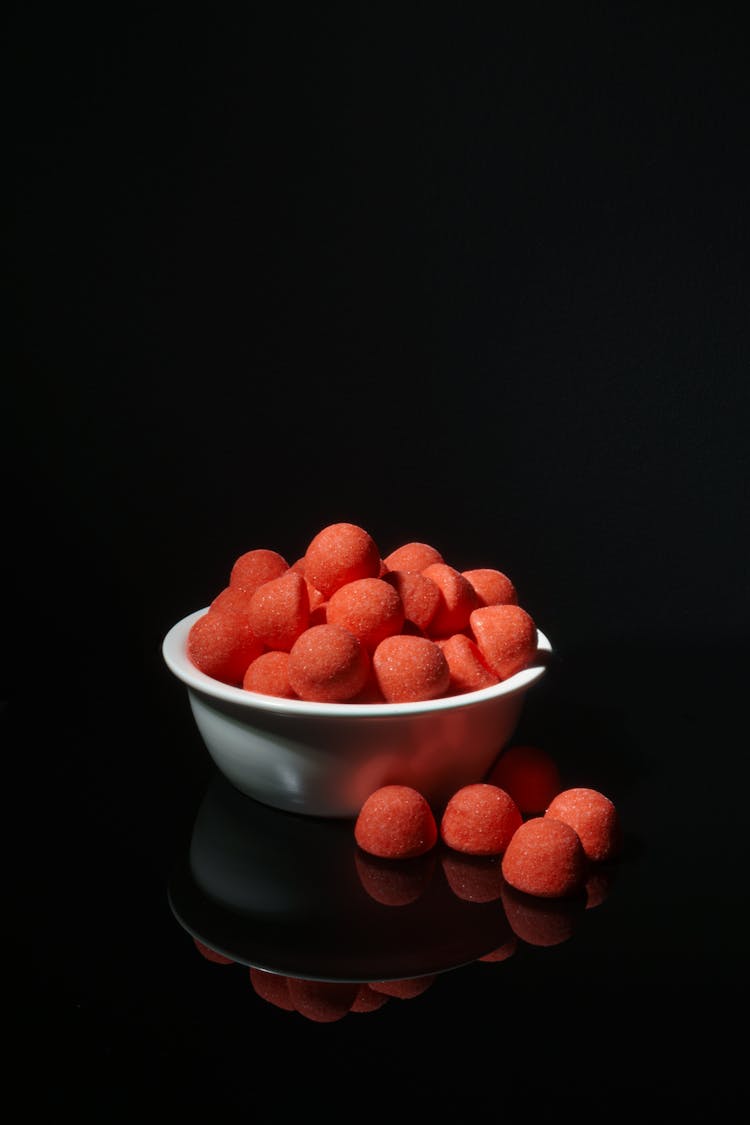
[[327, 664], [254, 568], [322, 1001], [269, 675], [458, 600], [396, 822], [368, 1000], [529, 774], [222, 645], [480, 820], [211, 954], [473, 878], [368, 607], [406, 989], [408, 669], [412, 556], [594, 818], [545, 858], [506, 636], [340, 553], [272, 987], [492, 586], [468, 669], [420, 597], [280, 610]]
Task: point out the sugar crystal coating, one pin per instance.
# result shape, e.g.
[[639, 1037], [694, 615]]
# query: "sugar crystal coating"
[[420, 597], [273, 987], [396, 822], [492, 586], [368, 607], [255, 567], [409, 669], [593, 816], [529, 774], [280, 610], [340, 553], [480, 819], [328, 664], [468, 669], [507, 637], [458, 600], [545, 858], [222, 645], [322, 1001], [413, 556], [269, 675]]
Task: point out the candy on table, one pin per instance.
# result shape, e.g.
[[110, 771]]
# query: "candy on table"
[[457, 601], [469, 670], [368, 1000], [420, 597], [594, 818], [273, 987], [545, 858], [269, 675], [412, 556], [322, 1001], [255, 567], [492, 586], [396, 822], [368, 607], [480, 819], [409, 669], [503, 952], [340, 553], [222, 645], [529, 774], [327, 664], [280, 610], [507, 637], [407, 988], [211, 954]]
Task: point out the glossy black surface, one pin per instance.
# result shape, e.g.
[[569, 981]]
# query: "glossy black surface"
[[482, 289]]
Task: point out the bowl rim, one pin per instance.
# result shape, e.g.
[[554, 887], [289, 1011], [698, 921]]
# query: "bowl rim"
[[174, 653]]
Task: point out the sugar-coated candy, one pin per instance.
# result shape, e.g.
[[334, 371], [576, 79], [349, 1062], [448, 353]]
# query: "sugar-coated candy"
[[545, 858], [396, 822], [222, 645], [328, 664], [507, 637], [368, 607], [469, 670], [406, 989], [340, 553], [269, 675], [322, 1001], [253, 568], [420, 597], [368, 1000], [593, 816], [409, 669], [412, 556], [457, 602], [480, 819], [280, 610], [492, 586], [503, 952], [211, 954], [530, 774], [273, 987]]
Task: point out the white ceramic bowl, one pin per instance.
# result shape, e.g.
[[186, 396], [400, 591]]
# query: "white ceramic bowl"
[[324, 759]]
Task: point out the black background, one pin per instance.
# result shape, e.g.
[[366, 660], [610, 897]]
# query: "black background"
[[473, 277]]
